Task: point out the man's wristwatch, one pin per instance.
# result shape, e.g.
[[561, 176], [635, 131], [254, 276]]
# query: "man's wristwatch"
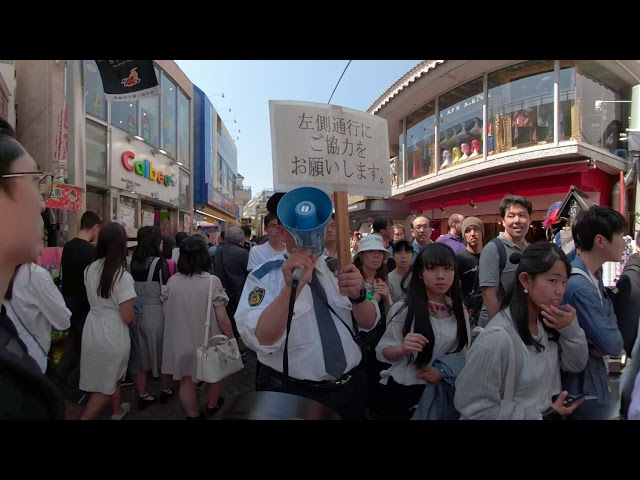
[[361, 298]]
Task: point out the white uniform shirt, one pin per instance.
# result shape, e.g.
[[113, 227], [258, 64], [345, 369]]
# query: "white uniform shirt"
[[306, 361], [38, 303], [445, 331], [261, 253]]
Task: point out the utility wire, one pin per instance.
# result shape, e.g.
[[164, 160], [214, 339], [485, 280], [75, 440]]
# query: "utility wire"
[[334, 90]]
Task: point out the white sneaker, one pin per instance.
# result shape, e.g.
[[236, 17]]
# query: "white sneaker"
[[126, 408]]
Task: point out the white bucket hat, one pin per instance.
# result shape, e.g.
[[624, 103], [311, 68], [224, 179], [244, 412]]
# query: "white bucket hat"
[[373, 241]]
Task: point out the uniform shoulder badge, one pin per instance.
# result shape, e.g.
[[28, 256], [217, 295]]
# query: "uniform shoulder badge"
[[256, 296]]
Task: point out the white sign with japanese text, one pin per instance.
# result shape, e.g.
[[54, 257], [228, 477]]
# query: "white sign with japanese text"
[[333, 148]]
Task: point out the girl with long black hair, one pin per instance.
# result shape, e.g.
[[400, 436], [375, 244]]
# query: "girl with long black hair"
[[426, 324], [513, 371], [150, 272], [105, 337]]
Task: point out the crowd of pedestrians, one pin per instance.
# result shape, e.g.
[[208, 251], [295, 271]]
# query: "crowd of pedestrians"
[[426, 327]]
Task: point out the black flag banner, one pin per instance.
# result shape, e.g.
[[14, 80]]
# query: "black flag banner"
[[128, 79]]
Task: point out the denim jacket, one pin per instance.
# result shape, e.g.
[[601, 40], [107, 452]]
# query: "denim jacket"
[[436, 402], [600, 326]]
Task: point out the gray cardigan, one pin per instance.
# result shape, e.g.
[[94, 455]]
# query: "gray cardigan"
[[478, 386]]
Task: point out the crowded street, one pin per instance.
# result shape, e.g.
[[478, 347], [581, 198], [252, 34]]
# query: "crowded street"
[[374, 240]]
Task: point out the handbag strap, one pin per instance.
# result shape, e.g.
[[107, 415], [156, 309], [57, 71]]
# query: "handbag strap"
[[15, 314], [208, 320], [152, 269]]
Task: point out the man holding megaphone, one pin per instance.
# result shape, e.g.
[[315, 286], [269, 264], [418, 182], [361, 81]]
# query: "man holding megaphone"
[[323, 354]]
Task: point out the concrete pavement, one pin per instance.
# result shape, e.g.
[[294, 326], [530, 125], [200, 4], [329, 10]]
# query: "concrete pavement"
[[240, 382]]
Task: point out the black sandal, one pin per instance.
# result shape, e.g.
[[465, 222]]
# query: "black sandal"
[[212, 411], [165, 396]]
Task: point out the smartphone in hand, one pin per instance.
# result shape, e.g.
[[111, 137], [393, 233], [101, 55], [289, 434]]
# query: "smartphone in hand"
[[570, 400]]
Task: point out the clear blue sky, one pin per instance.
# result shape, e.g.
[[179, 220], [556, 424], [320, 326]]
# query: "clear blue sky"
[[248, 85]]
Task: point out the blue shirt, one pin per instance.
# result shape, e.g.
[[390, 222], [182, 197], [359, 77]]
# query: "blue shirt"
[[597, 319]]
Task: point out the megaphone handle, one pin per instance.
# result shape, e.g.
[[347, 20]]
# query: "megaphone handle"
[[297, 275]]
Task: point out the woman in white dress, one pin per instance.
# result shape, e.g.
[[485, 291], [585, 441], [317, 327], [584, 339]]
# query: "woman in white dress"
[[105, 338], [185, 311]]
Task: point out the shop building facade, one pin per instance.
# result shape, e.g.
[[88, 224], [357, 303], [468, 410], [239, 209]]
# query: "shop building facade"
[[463, 134], [215, 167], [136, 156]]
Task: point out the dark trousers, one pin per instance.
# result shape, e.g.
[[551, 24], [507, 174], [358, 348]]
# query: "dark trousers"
[[400, 399], [347, 400], [68, 371]]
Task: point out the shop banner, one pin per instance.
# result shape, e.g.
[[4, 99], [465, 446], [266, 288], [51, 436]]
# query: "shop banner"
[[65, 197], [186, 223], [128, 79]]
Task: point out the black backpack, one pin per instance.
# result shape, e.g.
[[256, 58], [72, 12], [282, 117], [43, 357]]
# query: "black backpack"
[[475, 297]]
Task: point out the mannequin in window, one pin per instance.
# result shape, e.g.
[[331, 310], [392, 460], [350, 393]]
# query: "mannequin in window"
[[465, 151], [490, 139], [455, 152], [475, 148], [449, 140], [524, 123], [446, 159], [462, 134], [476, 129]]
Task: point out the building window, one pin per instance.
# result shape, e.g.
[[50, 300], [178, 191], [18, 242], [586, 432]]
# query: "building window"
[[150, 118], [601, 128], [124, 116], [184, 129], [96, 151], [169, 91], [95, 103], [567, 101], [461, 124], [184, 190], [520, 106], [420, 148]]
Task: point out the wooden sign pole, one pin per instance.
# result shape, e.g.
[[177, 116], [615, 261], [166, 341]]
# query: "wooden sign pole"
[[342, 228]]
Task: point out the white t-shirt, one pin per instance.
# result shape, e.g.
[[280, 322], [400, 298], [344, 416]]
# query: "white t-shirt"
[[445, 332], [261, 253], [38, 304]]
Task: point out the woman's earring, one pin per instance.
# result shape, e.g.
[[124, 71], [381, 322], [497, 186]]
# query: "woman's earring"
[[526, 290]]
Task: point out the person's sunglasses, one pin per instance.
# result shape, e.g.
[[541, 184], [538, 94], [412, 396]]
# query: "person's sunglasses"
[[44, 181]]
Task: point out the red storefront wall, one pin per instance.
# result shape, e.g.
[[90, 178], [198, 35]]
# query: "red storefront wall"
[[529, 183]]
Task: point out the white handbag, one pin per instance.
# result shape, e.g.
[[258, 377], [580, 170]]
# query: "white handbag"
[[215, 362]]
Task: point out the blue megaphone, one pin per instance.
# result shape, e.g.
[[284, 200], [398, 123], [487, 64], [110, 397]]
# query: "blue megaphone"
[[305, 212]]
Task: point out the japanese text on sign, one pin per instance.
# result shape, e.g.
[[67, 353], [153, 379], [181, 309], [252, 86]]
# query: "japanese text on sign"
[[329, 147]]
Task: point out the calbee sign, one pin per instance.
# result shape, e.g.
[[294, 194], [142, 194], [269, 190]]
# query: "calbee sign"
[[145, 169]]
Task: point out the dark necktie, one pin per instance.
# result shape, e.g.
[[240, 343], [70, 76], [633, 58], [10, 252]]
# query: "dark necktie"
[[334, 360]]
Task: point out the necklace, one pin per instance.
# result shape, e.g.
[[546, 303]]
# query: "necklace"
[[436, 307]]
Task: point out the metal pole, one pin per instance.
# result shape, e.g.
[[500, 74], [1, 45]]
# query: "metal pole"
[[77, 144], [634, 127]]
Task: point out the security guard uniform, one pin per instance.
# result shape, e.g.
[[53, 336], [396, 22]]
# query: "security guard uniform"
[[307, 375]]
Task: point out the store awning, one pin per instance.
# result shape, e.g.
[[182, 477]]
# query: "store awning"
[[216, 213]]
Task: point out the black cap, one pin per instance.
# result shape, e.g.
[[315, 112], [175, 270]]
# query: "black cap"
[[403, 245], [272, 204]]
